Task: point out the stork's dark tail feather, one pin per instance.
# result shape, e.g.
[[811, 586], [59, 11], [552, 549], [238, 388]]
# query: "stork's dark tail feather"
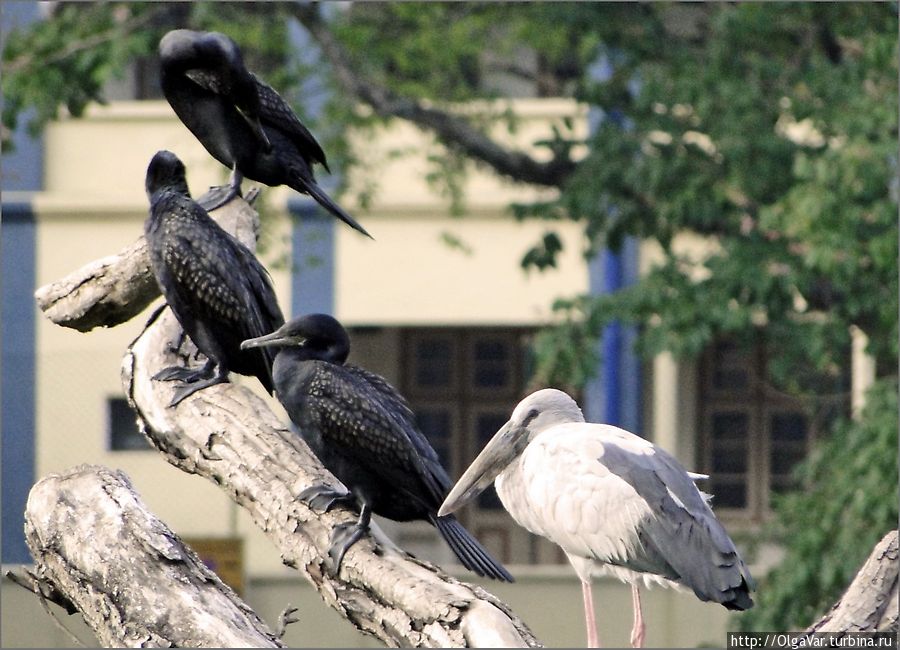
[[326, 202], [471, 554], [740, 597]]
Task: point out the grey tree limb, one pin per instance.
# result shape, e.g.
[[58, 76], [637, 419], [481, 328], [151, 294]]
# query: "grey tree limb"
[[134, 582], [452, 130], [870, 603]]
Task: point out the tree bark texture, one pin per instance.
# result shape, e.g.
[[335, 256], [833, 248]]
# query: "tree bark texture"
[[230, 435], [134, 582], [870, 603]]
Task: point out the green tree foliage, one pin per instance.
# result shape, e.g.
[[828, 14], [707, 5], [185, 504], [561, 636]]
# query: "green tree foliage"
[[847, 502], [769, 130]]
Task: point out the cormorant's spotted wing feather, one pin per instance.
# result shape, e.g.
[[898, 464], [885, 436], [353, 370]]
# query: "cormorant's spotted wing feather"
[[362, 414], [216, 277], [276, 113]]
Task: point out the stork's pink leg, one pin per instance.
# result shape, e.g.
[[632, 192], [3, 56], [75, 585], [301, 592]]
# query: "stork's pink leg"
[[637, 631], [592, 640]]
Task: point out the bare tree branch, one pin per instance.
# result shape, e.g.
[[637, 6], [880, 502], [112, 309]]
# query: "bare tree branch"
[[870, 603], [134, 582], [452, 130]]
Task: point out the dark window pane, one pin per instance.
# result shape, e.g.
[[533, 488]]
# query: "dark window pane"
[[123, 430], [486, 425], [492, 364], [785, 458], [729, 459], [434, 363], [731, 367], [436, 425], [491, 351], [729, 494], [730, 425], [788, 427]]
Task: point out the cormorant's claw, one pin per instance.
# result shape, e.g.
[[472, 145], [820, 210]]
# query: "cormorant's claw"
[[323, 498], [218, 196], [343, 537], [189, 389], [180, 373]]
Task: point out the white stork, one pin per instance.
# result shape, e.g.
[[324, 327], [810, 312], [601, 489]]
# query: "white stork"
[[614, 502]]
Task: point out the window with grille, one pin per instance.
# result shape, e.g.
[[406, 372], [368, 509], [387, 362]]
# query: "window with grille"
[[121, 425], [753, 434], [463, 385]]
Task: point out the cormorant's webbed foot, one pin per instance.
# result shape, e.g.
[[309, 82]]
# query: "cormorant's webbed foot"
[[323, 498], [346, 535], [181, 373], [216, 197], [194, 379], [189, 389]]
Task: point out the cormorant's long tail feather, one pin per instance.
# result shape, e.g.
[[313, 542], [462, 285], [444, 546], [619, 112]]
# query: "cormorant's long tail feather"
[[325, 201], [471, 554]]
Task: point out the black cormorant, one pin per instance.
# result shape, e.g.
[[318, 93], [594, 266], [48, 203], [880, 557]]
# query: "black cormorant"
[[217, 289], [240, 120], [363, 431]]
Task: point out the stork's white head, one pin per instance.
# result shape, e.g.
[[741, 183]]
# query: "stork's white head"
[[534, 414]]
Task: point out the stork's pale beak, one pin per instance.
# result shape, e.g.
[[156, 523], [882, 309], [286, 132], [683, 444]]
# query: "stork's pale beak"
[[269, 340], [496, 456]]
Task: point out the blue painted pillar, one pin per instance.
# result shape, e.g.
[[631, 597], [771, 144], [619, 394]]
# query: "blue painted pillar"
[[23, 171], [313, 255], [614, 395], [17, 375]]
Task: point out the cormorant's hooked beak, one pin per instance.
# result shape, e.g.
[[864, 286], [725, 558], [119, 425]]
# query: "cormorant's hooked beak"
[[276, 338], [496, 456]]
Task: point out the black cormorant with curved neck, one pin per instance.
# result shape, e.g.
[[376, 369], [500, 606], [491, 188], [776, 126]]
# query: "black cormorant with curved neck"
[[217, 289], [364, 433], [240, 120]]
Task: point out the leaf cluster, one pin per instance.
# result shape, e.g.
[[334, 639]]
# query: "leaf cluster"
[[847, 502]]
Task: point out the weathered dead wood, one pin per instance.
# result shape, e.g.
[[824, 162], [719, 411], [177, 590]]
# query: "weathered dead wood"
[[870, 603], [114, 289], [134, 582]]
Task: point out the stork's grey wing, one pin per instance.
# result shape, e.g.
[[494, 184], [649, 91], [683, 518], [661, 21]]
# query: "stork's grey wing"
[[275, 112], [681, 528]]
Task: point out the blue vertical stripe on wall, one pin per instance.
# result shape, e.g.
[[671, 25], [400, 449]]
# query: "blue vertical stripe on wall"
[[23, 162], [17, 374], [613, 396], [23, 170], [313, 253]]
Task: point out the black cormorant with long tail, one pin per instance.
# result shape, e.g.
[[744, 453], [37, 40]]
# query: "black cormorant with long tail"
[[217, 289], [240, 120], [363, 431]]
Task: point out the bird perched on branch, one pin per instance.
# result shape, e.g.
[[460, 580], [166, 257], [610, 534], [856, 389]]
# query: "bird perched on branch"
[[364, 433], [614, 502], [240, 119], [215, 286]]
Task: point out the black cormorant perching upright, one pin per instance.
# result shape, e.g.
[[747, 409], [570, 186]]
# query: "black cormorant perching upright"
[[217, 289], [363, 431], [240, 120]]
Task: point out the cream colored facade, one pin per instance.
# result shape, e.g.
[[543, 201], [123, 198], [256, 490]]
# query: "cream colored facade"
[[93, 204]]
